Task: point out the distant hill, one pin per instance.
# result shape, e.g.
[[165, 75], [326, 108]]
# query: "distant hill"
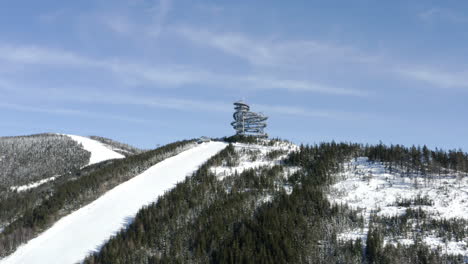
[[28, 159], [25, 159]]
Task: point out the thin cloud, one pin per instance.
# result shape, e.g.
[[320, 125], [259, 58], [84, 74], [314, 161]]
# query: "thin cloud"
[[440, 14], [160, 14], [53, 16], [182, 104], [122, 23], [273, 52], [438, 78], [304, 112], [305, 52], [118, 24], [39, 55], [167, 76], [149, 101], [265, 82], [68, 112], [176, 76]]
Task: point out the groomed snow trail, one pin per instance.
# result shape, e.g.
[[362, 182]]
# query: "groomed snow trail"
[[74, 236], [99, 152]]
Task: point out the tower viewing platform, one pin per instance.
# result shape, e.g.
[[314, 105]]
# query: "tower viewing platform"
[[248, 123]]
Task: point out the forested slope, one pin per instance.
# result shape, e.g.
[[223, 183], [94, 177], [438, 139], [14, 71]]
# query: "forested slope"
[[277, 212], [26, 159], [26, 214], [75, 235]]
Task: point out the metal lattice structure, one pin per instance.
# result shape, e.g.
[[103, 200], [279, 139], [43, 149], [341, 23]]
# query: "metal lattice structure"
[[248, 123]]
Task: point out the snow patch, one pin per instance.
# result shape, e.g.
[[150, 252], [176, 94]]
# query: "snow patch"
[[264, 199], [99, 151], [255, 156], [33, 184], [369, 188]]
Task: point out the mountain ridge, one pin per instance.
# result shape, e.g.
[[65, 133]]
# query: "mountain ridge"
[[268, 200]]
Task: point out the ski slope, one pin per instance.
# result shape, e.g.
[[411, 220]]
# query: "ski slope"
[[74, 236], [99, 152]]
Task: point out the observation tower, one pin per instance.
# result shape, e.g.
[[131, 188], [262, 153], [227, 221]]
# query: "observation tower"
[[248, 123]]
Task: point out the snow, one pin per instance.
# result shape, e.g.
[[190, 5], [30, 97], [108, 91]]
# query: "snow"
[[32, 185], [264, 199], [75, 236], [451, 247], [99, 151], [368, 187], [122, 150], [246, 152]]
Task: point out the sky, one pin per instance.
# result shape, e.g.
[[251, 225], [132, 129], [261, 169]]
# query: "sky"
[[150, 72]]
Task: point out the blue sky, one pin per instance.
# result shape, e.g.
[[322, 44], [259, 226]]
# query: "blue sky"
[[152, 72]]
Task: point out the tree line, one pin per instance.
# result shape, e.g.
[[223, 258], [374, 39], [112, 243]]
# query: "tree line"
[[419, 159]]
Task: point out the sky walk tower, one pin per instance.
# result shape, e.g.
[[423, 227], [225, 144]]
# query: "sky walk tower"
[[248, 123]]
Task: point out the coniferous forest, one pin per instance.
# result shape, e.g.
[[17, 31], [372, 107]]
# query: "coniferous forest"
[[26, 214], [207, 220], [271, 214], [31, 158]]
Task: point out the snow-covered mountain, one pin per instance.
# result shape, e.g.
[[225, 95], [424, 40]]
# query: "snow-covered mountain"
[[259, 200], [29, 161], [72, 238], [26, 211]]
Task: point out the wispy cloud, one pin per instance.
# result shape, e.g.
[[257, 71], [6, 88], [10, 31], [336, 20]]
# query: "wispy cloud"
[[69, 112], [160, 14], [435, 13], [303, 53], [172, 103], [304, 112], [165, 76], [121, 23], [210, 8], [184, 104], [39, 55], [266, 82], [273, 52], [438, 78], [53, 16], [118, 23]]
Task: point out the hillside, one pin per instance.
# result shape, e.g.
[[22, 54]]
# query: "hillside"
[[28, 210], [273, 202], [81, 232], [413, 208], [257, 201], [29, 161]]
